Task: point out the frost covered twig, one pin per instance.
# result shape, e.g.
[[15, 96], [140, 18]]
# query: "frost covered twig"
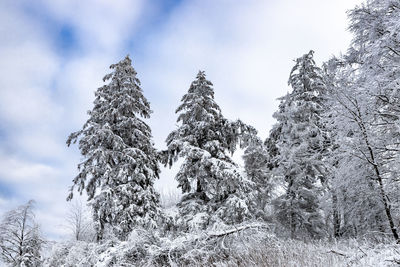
[[235, 230], [338, 253]]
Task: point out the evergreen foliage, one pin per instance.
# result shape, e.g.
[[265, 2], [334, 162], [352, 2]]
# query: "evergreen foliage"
[[216, 190], [256, 164], [120, 161], [301, 144]]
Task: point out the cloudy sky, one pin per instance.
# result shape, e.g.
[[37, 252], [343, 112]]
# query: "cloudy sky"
[[54, 54]]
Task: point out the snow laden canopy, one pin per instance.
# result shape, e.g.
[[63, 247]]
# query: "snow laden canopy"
[[300, 139], [366, 86], [212, 180], [120, 162], [256, 159]]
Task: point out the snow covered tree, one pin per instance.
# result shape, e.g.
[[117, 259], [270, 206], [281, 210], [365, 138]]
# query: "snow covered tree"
[[256, 164], [120, 161], [79, 222], [333, 156], [359, 208], [374, 107], [365, 114], [301, 142], [20, 241], [211, 180]]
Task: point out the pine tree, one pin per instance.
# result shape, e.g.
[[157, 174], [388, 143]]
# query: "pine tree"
[[211, 180], [120, 161], [300, 140]]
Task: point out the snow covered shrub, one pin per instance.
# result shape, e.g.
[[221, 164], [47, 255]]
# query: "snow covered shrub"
[[251, 244], [71, 254]]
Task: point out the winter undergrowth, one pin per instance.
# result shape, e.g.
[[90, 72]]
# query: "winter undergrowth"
[[243, 245]]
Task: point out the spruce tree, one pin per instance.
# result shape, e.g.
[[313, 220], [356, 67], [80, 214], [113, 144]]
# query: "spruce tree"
[[300, 141], [215, 189], [120, 161]]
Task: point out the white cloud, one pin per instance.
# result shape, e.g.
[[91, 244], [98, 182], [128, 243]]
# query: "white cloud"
[[17, 172], [27, 65], [100, 24]]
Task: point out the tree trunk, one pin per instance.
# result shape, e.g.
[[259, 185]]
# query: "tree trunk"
[[292, 222], [336, 216], [198, 189], [383, 195], [100, 232]]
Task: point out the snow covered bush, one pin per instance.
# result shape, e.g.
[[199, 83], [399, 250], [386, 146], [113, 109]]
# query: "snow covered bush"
[[250, 244]]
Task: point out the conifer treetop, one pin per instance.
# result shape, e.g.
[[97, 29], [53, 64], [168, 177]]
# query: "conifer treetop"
[[198, 104], [305, 75]]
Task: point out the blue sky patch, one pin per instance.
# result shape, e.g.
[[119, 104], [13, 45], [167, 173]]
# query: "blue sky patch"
[[66, 38], [5, 190]]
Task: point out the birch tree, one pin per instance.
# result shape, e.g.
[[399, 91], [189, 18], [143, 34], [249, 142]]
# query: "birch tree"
[[20, 240]]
